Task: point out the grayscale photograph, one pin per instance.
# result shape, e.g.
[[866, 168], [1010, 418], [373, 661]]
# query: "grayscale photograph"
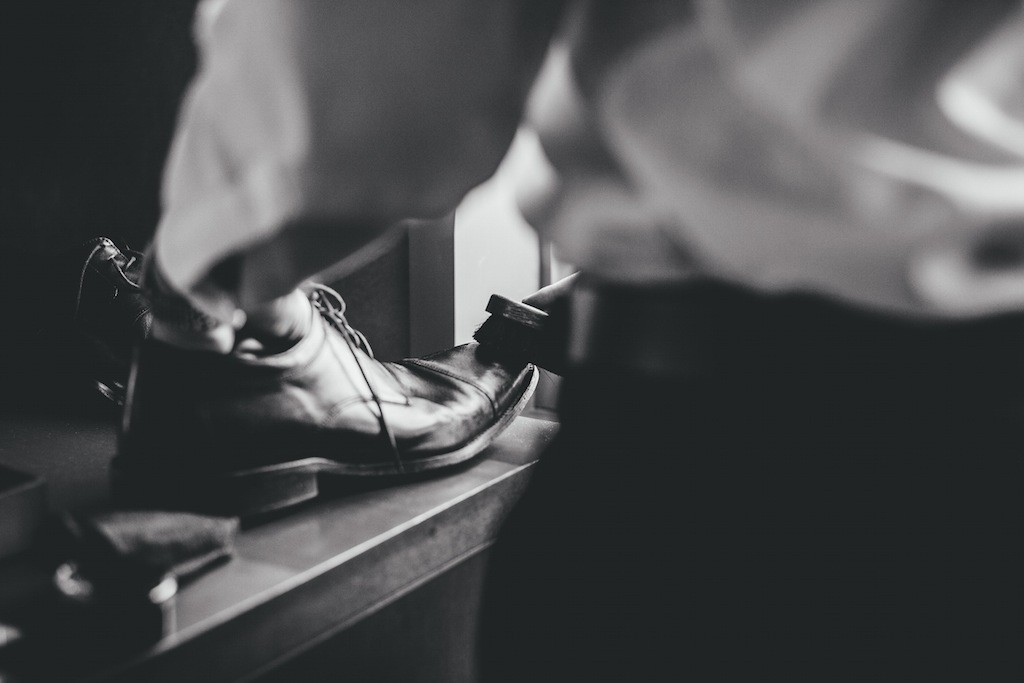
[[512, 341]]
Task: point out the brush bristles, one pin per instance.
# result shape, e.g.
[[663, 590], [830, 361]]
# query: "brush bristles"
[[521, 332]]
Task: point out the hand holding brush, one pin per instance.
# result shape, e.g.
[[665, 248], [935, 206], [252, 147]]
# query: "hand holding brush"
[[534, 330]]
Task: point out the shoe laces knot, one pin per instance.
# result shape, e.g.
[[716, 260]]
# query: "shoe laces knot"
[[332, 307]]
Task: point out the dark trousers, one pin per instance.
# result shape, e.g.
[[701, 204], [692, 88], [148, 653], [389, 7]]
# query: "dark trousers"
[[827, 495]]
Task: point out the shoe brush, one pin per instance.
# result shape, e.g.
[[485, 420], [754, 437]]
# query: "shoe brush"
[[522, 332]]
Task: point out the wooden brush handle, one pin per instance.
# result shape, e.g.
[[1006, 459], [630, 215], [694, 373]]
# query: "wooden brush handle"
[[517, 312]]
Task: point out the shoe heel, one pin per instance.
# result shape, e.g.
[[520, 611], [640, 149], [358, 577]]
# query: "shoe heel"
[[245, 493], [258, 492]]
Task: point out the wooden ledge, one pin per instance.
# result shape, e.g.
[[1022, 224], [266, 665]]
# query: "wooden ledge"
[[296, 580]]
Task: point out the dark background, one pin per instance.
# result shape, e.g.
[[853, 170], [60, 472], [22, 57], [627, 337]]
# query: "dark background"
[[91, 95]]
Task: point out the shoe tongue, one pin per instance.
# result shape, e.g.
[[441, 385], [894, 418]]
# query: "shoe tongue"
[[108, 254]]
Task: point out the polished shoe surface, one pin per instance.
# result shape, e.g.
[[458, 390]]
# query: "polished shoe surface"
[[247, 433]]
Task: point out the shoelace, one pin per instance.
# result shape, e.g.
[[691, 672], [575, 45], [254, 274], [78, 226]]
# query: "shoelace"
[[332, 307]]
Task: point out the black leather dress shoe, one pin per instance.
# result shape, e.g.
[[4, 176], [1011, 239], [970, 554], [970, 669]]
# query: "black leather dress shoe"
[[75, 352], [111, 313], [248, 433]]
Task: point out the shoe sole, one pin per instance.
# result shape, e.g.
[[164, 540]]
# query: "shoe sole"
[[261, 490]]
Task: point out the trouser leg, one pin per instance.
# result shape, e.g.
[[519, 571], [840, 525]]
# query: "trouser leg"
[[314, 126], [817, 518]]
